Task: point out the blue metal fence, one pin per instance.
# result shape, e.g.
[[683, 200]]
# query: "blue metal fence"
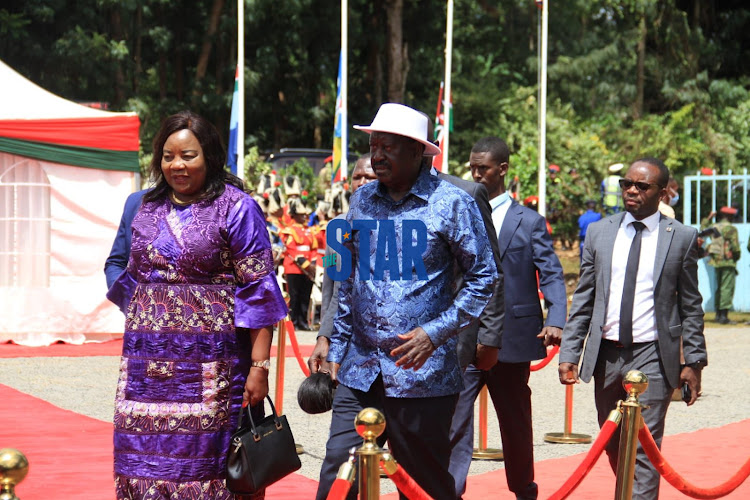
[[704, 194]]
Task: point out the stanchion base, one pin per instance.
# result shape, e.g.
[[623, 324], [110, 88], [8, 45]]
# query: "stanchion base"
[[488, 454], [561, 437], [300, 449]]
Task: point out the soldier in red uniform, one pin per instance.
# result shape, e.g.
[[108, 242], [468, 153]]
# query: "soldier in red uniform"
[[318, 232], [299, 267]]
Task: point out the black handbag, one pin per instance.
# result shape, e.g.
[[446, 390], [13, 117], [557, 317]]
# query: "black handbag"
[[260, 454]]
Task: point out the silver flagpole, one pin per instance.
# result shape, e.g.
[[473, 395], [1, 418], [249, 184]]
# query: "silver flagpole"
[[241, 89], [447, 108], [344, 90], [543, 115]]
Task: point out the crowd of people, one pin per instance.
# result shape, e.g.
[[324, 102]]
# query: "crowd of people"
[[194, 269]]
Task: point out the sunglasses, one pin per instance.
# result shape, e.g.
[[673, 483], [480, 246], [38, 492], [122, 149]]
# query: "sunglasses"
[[625, 184]]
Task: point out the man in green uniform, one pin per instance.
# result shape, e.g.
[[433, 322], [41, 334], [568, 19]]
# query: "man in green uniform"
[[723, 252]]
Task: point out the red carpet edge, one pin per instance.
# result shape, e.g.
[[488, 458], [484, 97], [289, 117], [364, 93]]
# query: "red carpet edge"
[[71, 458], [70, 455]]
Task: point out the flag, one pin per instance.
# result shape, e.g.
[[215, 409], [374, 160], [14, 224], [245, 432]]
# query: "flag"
[[233, 125], [339, 147], [437, 160]]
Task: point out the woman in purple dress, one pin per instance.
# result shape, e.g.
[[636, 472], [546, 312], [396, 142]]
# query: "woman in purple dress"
[[200, 299]]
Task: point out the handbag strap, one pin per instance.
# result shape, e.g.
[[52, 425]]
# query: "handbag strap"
[[252, 423]]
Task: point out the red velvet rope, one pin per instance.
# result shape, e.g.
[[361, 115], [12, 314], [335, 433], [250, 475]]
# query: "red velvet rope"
[[407, 485], [673, 478], [550, 354], [596, 450], [339, 490], [295, 348]]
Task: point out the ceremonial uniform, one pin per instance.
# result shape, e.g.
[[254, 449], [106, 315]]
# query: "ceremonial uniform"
[[298, 262], [318, 233], [279, 222], [286, 219]]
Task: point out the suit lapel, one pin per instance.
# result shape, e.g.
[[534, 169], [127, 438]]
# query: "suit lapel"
[[510, 224], [666, 231]]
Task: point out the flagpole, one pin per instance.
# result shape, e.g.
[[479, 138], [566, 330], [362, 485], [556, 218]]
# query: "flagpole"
[[447, 108], [543, 114], [241, 89], [344, 92]]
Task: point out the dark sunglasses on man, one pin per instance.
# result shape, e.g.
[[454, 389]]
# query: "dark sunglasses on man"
[[626, 184]]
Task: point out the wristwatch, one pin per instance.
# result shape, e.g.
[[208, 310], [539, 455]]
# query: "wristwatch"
[[697, 365], [265, 364]]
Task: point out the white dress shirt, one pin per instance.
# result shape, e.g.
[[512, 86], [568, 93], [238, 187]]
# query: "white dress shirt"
[[500, 205], [644, 319]]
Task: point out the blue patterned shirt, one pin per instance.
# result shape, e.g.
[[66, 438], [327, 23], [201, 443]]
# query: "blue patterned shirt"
[[373, 312]]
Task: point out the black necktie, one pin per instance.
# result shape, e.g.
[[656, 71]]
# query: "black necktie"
[[628, 290]]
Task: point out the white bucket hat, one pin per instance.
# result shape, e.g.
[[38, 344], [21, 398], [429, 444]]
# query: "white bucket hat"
[[615, 167], [402, 120]]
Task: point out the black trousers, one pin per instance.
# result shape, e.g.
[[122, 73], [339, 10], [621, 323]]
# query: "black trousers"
[[508, 386], [299, 287], [416, 429]]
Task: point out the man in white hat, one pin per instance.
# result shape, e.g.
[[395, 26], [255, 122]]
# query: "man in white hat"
[[394, 338]]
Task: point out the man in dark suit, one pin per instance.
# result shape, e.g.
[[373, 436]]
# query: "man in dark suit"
[[120, 253], [637, 296], [479, 343], [524, 247]]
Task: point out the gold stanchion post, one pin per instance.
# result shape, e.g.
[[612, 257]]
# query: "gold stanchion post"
[[370, 423], [567, 436], [484, 453], [13, 468], [280, 360], [635, 384]]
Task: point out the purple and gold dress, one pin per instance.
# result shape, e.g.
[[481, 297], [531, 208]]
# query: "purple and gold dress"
[[198, 277]]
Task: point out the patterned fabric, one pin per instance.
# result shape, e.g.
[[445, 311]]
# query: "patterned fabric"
[[149, 489], [372, 313], [254, 267], [196, 274]]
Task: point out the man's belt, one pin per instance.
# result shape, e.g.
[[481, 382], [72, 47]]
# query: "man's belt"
[[620, 345]]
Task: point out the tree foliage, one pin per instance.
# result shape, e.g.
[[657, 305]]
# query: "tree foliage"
[[627, 78]]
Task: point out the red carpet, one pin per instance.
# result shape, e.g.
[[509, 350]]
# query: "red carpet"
[[110, 348], [706, 458], [71, 458], [70, 455]]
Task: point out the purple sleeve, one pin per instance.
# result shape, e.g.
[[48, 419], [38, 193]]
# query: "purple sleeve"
[[258, 301], [122, 290]]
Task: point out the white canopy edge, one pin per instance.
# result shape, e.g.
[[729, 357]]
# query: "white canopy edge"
[[22, 99]]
